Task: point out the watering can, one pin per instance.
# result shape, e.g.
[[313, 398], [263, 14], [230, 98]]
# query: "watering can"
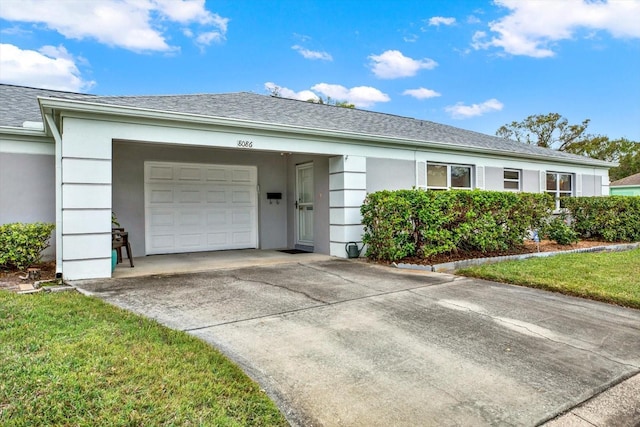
[[352, 250]]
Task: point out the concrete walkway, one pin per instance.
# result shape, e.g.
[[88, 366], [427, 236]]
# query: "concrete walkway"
[[340, 343]]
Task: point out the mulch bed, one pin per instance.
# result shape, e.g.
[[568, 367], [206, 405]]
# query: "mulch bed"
[[11, 279], [527, 248]]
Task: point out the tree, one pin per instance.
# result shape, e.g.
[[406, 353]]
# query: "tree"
[[331, 101], [629, 163], [545, 130], [554, 131], [276, 91]]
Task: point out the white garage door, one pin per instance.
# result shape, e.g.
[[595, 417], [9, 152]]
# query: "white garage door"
[[197, 207]]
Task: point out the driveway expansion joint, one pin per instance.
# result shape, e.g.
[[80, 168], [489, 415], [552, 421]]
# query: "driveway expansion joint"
[[239, 279], [323, 304]]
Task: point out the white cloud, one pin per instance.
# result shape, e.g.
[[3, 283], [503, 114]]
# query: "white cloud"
[[304, 95], [50, 68], [441, 20], [393, 64], [461, 111], [531, 27], [312, 54], [205, 39], [472, 19], [421, 93], [130, 24], [360, 96]]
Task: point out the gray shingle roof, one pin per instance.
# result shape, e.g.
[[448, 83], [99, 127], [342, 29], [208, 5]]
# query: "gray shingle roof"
[[19, 104], [629, 180]]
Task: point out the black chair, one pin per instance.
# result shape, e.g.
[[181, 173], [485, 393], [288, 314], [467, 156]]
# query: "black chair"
[[120, 239]]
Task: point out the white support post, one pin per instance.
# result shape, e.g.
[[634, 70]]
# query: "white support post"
[[347, 190], [58, 182]]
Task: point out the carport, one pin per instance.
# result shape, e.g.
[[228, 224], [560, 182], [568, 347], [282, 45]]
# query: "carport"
[[180, 183]]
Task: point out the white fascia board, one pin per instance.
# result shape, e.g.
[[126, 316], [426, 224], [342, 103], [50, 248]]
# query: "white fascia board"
[[50, 104], [25, 141], [23, 132]]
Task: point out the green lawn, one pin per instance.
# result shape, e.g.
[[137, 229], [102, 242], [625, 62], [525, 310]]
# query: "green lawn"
[[612, 277], [67, 359]]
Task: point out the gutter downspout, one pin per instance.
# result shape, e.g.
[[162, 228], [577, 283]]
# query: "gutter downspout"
[[58, 150]]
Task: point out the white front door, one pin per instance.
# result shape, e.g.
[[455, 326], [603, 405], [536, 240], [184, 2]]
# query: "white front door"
[[304, 204], [200, 207]]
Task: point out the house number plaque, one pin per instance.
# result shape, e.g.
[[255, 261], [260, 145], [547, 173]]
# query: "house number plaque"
[[243, 143]]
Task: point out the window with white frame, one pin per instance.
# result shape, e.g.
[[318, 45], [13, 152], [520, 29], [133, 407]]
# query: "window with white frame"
[[442, 176], [512, 179], [559, 185]]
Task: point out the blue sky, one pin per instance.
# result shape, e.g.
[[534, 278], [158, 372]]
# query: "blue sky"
[[472, 64]]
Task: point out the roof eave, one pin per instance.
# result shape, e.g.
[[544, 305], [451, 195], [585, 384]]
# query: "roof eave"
[[17, 130], [48, 104]]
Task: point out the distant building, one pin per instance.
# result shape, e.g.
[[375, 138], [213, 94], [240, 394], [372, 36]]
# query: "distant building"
[[629, 186]]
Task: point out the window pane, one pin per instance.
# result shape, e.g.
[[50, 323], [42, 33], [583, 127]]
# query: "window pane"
[[460, 177], [511, 185], [565, 182], [552, 184], [436, 175], [511, 174]]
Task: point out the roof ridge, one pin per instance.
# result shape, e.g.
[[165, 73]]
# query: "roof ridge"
[[47, 89]]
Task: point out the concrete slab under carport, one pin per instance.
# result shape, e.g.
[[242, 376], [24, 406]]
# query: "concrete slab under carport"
[[348, 343], [193, 262]]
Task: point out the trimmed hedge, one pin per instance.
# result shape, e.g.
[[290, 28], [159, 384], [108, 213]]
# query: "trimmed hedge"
[[21, 245], [407, 223], [609, 218]]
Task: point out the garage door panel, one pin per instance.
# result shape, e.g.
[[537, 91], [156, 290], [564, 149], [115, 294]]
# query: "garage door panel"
[[189, 195], [241, 176], [241, 238], [241, 218], [178, 203], [190, 241], [220, 239], [216, 219], [161, 242], [161, 218], [161, 194], [241, 196], [216, 196], [160, 173], [190, 219], [218, 175], [189, 173]]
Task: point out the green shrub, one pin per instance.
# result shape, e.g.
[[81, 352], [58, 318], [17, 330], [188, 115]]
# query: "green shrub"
[[21, 245], [407, 223], [558, 230], [609, 218], [392, 231]]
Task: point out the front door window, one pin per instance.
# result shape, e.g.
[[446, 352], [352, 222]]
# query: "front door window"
[[304, 203]]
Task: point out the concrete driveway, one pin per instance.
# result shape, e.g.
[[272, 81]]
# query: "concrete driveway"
[[348, 343]]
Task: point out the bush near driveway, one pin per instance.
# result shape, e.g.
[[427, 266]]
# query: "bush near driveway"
[[409, 223], [608, 218], [21, 245]]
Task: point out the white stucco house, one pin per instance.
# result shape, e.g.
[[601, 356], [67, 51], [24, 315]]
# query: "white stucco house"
[[210, 172]]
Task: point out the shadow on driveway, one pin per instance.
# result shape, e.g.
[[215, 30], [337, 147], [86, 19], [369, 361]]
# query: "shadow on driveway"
[[348, 343]]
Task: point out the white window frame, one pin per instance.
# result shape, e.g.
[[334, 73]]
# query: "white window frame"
[[449, 166], [557, 193], [518, 180]]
